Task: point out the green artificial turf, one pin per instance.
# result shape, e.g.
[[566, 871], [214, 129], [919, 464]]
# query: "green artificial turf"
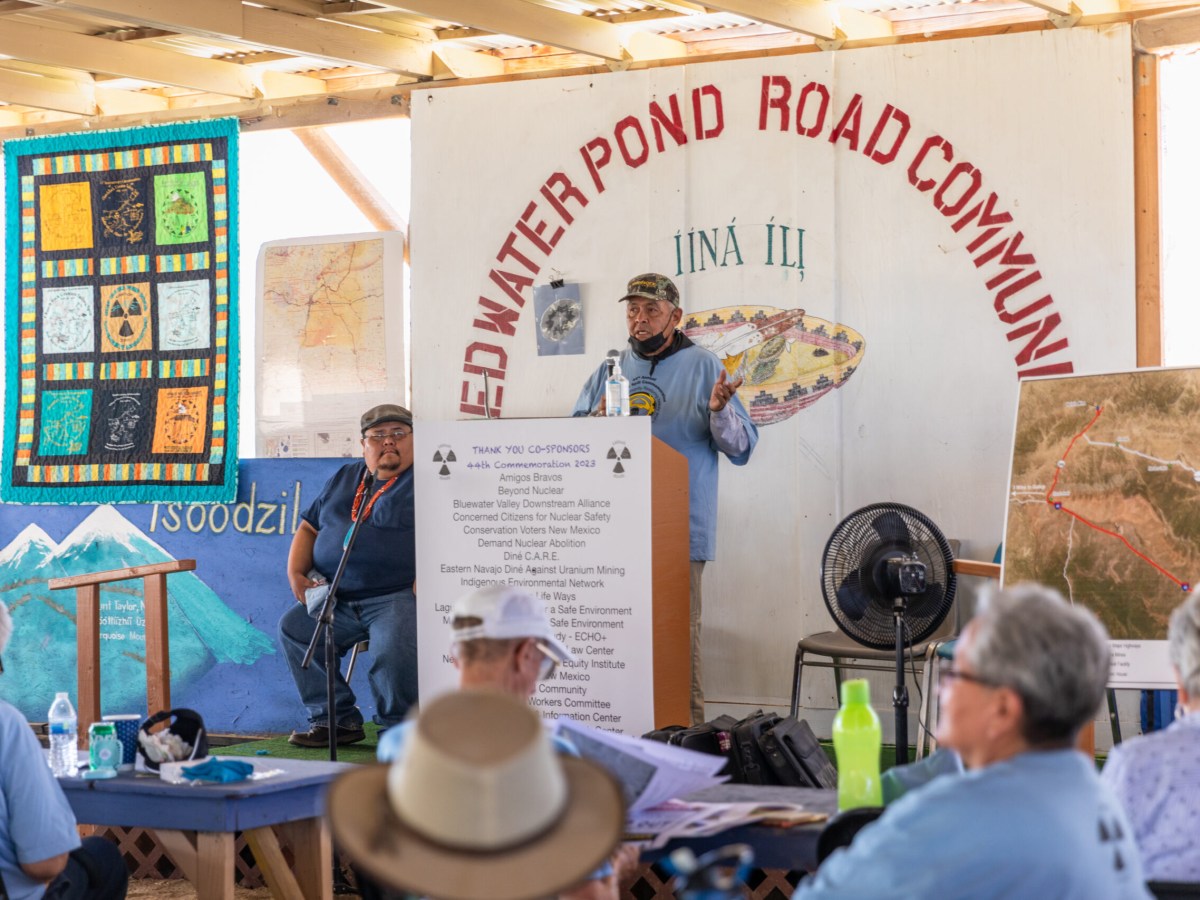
[[362, 752]]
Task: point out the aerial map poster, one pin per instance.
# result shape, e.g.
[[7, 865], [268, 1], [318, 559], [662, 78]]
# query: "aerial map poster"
[[1104, 504], [120, 312], [330, 339]]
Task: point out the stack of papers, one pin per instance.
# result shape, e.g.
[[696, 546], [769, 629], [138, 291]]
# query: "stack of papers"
[[681, 819], [649, 771], [653, 776]]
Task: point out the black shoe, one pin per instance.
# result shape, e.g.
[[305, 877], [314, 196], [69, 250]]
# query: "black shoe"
[[318, 736]]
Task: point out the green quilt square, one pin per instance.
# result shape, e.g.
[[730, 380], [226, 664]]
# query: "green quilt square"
[[66, 423], [180, 208]]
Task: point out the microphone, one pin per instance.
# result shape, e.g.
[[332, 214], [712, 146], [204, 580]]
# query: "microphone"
[[368, 480]]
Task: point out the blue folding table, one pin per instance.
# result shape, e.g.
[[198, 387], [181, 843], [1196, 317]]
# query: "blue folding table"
[[195, 823]]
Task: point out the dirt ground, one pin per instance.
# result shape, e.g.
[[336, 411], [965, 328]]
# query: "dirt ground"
[[178, 889]]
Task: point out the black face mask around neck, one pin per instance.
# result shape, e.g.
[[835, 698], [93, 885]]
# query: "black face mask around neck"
[[652, 344], [648, 347]]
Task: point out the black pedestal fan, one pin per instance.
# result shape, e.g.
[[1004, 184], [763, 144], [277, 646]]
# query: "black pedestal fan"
[[888, 579]]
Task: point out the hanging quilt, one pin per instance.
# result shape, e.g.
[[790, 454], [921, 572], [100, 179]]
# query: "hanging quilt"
[[121, 326]]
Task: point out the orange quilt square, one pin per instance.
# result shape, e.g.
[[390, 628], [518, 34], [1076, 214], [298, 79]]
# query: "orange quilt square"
[[66, 212], [125, 318], [181, 420]]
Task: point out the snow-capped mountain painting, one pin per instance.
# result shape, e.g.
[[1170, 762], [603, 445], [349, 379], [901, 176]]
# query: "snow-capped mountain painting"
[[221, 618], [202, 629]]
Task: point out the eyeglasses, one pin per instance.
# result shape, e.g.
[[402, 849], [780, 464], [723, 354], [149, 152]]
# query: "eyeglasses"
[[948, 675], [549, 664], [384, 436]]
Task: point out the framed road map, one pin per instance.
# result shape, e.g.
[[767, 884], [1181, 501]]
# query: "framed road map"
[[1104, 504], [330, 340], [120, 311]]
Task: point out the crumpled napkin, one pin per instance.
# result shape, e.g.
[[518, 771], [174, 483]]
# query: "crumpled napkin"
[[221, 770], [164, 746]]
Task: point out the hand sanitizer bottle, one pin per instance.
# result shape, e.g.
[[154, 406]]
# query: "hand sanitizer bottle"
[[616, 390]]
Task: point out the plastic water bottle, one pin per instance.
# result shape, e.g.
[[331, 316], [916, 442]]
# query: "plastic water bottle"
[[857, 741], [64, 748], [616, 390]]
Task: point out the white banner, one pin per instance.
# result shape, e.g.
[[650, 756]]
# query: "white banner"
[[561, 507], [945, 222]]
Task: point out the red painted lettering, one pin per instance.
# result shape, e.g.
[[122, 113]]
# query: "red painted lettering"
[[626, 125], [818, 125], [500, 319], [596, 163], [559, 200], [953, 209], [779, 101], [849, 124], [534, 233], [924, 184], [698, 95], [673, 124], [890, 114]]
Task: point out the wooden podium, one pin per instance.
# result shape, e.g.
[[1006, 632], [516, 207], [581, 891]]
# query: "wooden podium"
[[671, 586]]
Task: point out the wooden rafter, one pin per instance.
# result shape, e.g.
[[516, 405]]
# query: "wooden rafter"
[[545, 25], [288, 32], [353, 183]]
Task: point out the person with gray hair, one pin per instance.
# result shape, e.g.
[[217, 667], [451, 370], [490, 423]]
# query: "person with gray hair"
[[41, 855], [1029, 817], [1157, 776]]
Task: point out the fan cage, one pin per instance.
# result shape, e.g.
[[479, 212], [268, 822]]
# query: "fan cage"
[[853, 565]]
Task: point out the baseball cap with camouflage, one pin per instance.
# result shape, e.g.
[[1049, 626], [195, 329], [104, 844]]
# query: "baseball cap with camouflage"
[[652, 286]]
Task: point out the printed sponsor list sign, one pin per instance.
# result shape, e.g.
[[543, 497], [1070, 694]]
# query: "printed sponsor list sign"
[[558, 506]]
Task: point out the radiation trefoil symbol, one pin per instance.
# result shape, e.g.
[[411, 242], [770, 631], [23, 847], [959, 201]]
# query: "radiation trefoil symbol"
[[444, 455], [617, 452]]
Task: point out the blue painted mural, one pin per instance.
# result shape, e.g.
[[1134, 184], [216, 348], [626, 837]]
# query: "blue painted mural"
[[224, 654]]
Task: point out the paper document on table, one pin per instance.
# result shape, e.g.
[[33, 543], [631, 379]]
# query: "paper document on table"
[[704, 819], [649, 772]]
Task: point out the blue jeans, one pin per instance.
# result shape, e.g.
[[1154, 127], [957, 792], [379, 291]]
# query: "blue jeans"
[[389, 622], [96, 871]]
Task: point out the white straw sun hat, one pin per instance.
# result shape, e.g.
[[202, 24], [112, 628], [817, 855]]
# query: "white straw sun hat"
[[478, 807]]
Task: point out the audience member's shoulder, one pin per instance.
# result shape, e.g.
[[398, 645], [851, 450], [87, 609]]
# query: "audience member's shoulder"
[[13, 726]]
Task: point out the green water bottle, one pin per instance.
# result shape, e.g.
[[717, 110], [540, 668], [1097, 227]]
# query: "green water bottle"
[[856, 741]]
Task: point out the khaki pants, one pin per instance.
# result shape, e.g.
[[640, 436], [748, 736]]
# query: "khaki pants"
[[697, 572]]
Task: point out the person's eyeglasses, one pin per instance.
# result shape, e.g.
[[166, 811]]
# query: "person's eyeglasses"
[[549, 664], [949, 675], [382, 437]]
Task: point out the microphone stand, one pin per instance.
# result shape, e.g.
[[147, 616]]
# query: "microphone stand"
[[325, 624]]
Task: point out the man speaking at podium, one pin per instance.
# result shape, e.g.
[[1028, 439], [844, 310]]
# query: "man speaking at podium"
[[375, 598], [694, 409]]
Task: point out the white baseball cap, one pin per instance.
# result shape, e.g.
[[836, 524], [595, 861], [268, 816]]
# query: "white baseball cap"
[[507, 611]]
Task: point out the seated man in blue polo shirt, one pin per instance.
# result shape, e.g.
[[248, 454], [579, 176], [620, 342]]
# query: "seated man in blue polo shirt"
[[1029, 818], [41, 855], [376, 599]]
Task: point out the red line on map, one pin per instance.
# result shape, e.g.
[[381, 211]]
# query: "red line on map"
[[1063, 460], [1058, 506]]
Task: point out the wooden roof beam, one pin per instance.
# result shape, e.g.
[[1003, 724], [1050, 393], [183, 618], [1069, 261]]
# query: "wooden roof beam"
[[811, 17], [353, 183], [299, 35], [1167, 34], [78, 95], [458, 62], [54, 47], [211, 17], [555, 28], [41, 92]]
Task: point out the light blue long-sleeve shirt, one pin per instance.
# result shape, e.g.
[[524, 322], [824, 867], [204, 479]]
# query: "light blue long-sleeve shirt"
[[674, 390], [1038, 825]]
